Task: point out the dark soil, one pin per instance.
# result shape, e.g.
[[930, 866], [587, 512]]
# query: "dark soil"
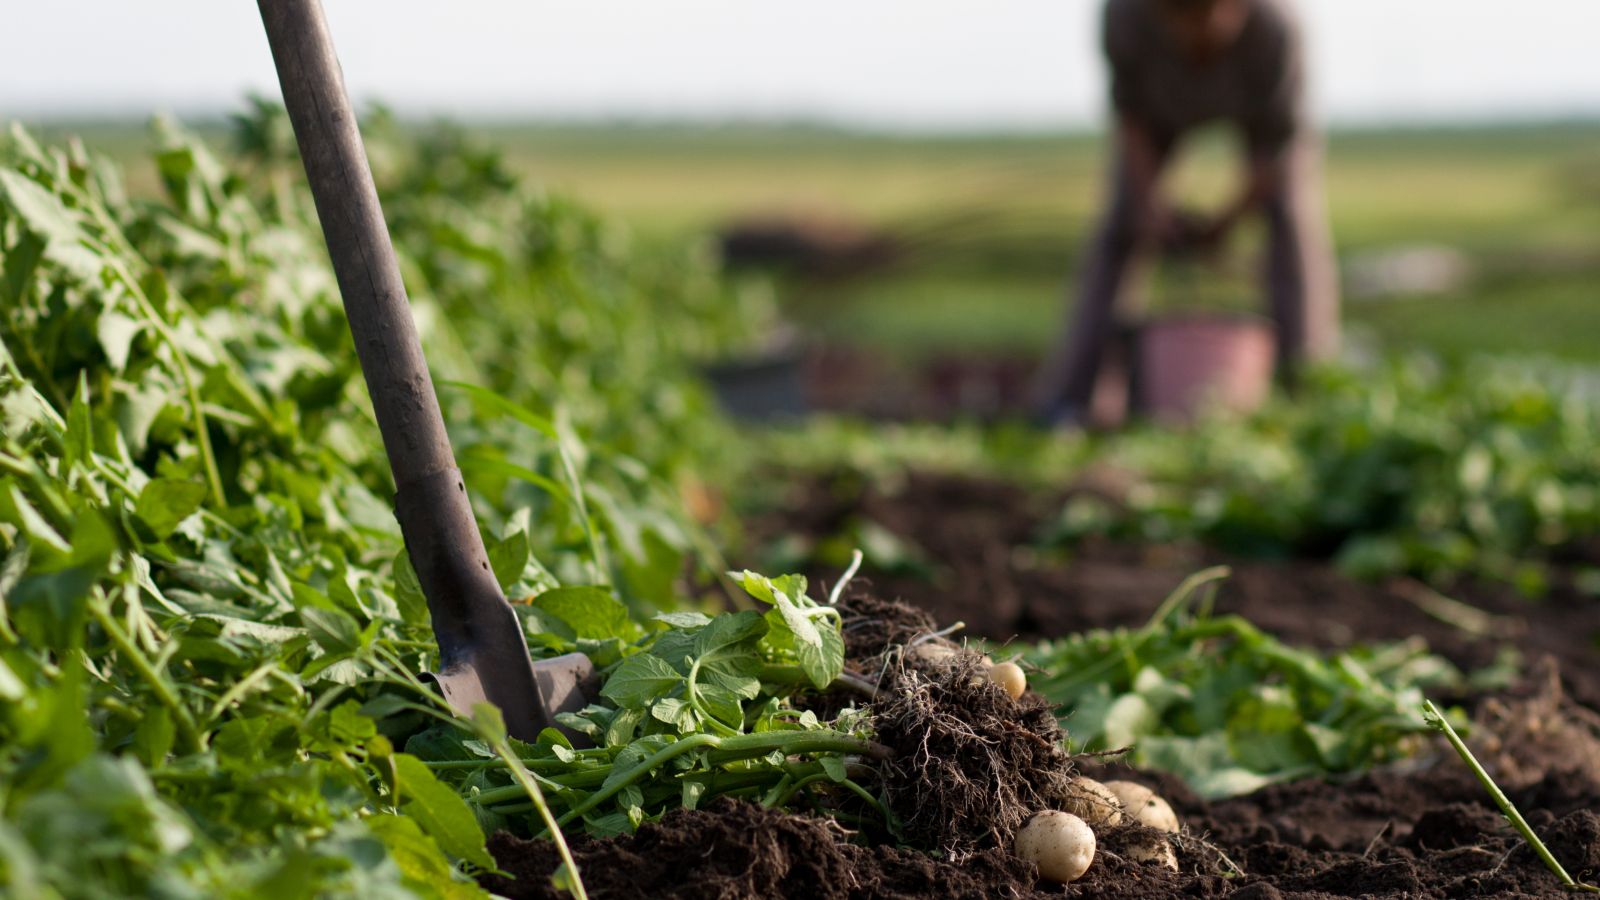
[[1391, 835], [841, 379], [871, 624], [978, 541], [1425, 829], [735, 849]]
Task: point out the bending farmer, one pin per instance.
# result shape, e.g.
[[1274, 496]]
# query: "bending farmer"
[[1176, 65]]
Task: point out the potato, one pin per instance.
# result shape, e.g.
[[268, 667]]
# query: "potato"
[[1009, 676], [1151, 848], [1060, 844], [1093, 802], [934, 652], [1144, 806]]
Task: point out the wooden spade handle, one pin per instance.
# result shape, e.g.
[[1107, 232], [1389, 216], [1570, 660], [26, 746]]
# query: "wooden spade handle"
[[474, 625]]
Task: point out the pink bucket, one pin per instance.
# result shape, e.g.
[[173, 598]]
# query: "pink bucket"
[[1192, 363]]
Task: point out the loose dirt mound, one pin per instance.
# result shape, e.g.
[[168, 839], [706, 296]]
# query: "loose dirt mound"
[[1424, 829], [1388, 835], [871, 625], [735, 849]]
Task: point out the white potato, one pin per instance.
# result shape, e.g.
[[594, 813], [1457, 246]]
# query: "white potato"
[[1060, 844], [1144, 805], [934, 652], [1151, 848], [1093, 802], [1009, 676]]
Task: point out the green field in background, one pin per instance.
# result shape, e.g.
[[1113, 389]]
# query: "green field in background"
[[1010, 212], [1514, 199]]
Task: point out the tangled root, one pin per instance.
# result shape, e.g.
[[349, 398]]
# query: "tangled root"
[[970, 763]]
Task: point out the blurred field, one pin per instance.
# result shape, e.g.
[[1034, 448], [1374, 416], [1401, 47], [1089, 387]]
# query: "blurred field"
[[992, 224], [1008, 215]]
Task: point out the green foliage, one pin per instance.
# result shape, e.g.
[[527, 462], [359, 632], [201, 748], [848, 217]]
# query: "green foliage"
[[1229, 707], [209, 633], [1409, 468], [1404, 466], [794, 625], [701, 706]]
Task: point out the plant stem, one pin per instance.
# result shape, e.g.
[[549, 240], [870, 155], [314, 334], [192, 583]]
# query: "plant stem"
[[447, 765], [779, 790], [1436, 717], [694, 703], [858, 684], [192, 741], [634, 774], [838, 590], [191, 390], [798, 786], [239, 689], [807, 781], [745, 746], [725, 750], [529, 784]]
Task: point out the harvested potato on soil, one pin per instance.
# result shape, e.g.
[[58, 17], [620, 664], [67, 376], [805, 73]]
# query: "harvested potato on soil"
[[1009, 676], [1151, 848], [1144, 806], [1060, 844], [933, 652], [1093, 802]]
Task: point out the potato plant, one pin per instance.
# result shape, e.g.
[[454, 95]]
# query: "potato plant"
[[697, 707], [209, 635], [1409, 467], [1231, 708]]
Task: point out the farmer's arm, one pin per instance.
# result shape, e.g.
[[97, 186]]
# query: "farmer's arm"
[[1263, 177], [1142, 162]]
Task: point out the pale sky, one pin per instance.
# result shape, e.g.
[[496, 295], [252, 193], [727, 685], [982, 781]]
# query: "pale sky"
[[894, 63]]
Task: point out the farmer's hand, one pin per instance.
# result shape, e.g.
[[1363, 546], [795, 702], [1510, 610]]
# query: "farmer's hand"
[[1166, 228], [1186, 232], [1156, 224]]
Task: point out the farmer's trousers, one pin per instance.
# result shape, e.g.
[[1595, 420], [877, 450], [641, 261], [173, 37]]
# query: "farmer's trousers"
[[1300, 276]]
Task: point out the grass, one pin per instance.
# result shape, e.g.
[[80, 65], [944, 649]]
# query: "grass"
[[1383, 185]]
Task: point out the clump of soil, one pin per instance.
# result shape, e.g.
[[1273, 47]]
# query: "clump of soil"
[[737, 849], [872, 626], [1575, 841], [1524, 734], [971, 764]]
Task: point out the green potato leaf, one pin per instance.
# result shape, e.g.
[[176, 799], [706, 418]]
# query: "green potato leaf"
[[439, 810], [592, 613], [165, 502], [640, 680]]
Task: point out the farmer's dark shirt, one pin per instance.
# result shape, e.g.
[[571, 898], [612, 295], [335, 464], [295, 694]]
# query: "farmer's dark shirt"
[[1256, 84]]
